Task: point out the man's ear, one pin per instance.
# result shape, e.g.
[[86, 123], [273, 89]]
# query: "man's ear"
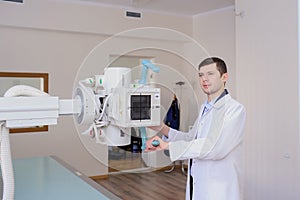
[[224, 77]]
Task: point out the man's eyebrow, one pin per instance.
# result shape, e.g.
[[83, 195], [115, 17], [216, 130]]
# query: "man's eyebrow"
[[211, 71]]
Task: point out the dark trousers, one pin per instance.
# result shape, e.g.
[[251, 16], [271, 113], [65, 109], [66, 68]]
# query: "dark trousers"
[[191, 180], [191, 187]]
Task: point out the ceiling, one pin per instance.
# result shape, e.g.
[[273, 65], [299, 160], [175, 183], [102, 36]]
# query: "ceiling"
[[178, 7]]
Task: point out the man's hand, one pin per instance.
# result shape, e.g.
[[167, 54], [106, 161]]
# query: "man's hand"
[[162, 144]]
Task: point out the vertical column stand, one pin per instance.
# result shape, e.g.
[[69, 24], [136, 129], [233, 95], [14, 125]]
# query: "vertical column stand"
[[180, 83]]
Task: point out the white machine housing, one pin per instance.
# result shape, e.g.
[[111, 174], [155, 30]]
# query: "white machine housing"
[[135, 107], [111, 105]]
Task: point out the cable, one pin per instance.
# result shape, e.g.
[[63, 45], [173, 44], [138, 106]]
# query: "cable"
[[104, 107], [24, 90], [1, 124], [6, 164]]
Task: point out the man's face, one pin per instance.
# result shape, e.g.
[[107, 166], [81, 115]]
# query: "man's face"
[[211, 82]]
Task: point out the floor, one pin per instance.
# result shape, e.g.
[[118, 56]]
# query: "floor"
[[147, 185]]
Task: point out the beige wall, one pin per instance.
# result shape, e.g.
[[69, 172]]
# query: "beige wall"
[[215, 31], [59, 54], [55, 37], [84, 17], [261, 49], [268, 85]]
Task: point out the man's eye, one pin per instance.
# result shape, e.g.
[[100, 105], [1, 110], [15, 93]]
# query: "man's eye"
[[210, 73]]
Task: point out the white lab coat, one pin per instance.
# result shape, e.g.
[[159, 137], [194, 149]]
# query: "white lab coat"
[[216, 152]]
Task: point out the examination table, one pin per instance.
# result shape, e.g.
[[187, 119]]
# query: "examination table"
[[49, 178]]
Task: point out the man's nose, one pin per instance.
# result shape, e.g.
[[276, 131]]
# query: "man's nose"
[[204, 78]]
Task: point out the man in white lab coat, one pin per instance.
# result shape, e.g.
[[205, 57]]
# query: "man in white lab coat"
[[214, 144]]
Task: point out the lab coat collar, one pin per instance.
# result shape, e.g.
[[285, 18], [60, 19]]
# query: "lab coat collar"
[[211, 104], [220, 103]]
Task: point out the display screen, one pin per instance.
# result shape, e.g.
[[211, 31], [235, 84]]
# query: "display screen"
[[140, 107]]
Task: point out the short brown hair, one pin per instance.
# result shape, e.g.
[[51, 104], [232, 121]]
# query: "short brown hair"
[[221, 65]]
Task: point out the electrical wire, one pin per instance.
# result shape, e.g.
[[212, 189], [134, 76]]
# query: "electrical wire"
[[104, 107]]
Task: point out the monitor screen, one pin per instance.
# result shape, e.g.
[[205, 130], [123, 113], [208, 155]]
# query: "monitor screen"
[[140, 107]]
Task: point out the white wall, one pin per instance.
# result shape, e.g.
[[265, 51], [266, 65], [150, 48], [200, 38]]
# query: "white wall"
[[267, 84], [55, 37]]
